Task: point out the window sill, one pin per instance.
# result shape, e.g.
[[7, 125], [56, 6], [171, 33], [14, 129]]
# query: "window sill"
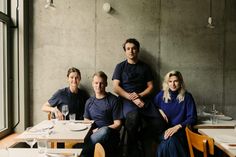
[[8, 141]]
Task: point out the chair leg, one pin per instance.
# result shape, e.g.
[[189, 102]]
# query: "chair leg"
[[122, 141], [53, 144]]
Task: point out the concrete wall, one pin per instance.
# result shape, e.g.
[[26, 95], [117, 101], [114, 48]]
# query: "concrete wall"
[[172, 33], [229, 57]]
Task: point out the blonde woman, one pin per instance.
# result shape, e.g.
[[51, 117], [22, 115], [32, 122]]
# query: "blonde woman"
[[178, 108]]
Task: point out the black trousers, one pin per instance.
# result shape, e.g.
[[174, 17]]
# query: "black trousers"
[[142, 132]]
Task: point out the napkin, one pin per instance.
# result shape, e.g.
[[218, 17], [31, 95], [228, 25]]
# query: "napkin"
[[42, 126]]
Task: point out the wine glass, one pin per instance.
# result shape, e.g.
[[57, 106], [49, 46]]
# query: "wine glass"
[[30, 140], [65, 110]]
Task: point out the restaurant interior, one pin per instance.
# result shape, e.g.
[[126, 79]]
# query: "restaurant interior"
[[41, 39]]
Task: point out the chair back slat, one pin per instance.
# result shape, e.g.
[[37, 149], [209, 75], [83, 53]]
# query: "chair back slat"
[[202, 143], [99, 150]]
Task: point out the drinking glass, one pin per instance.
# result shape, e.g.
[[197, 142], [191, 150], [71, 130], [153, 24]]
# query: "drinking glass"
[[42, 146], [72, 117], [30, 140], [203, 110], [65, 110], [53, 118], [214, 118]]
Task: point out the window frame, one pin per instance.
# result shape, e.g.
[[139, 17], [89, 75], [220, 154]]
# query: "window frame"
[[7, 126]]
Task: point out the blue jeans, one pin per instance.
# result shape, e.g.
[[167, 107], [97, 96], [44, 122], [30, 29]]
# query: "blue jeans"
[[108, 137]]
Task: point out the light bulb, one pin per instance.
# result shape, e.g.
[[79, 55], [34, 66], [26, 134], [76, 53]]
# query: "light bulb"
[[106, 7], [210, 22], [50, 4]]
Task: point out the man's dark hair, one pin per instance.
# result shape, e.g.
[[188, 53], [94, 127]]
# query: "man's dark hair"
[[133, 41]]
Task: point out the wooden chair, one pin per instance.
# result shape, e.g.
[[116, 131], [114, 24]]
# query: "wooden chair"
[[202, 143], [99, 150], [53, 144]]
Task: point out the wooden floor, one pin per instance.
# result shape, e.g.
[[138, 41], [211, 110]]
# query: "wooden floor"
[[7, 141]]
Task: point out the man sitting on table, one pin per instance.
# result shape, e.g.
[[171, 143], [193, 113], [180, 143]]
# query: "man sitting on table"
[[105, 110]]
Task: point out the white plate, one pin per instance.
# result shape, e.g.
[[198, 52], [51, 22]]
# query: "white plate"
[[206, 114], [77, 127], [225, 118], [226, 138]]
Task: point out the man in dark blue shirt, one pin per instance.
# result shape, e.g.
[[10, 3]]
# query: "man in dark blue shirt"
[[105, 110], [133, 82]]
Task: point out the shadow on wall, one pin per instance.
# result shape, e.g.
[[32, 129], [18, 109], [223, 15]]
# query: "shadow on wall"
[[153, 63], [86, 90]]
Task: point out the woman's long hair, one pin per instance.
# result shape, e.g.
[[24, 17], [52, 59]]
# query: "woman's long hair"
[[165, 86]]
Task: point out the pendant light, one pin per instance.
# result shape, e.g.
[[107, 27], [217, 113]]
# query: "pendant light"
[[50, 4], [210, 19]]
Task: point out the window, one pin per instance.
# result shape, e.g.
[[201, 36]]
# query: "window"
[[4, 70], [3, 6], [13, 66]]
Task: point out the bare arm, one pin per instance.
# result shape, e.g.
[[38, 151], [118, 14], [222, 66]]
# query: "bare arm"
[[148, 90], [116, 124], [120, 91], [87, 120], [171, 131], [163, 115], [135, 97], [47, 108]]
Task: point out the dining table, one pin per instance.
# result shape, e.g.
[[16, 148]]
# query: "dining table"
[[207, 124], [51, 131], [34, 152], [221, 121], [224, 139], [57, 131]]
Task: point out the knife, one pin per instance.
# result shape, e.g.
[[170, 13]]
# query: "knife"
[[232, 145]]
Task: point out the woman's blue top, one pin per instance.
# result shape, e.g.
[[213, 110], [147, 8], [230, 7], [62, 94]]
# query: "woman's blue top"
[[183, 113], [75, 101]]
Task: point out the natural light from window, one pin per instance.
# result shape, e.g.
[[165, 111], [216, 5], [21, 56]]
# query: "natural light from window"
[[2, 117], [5, 122]]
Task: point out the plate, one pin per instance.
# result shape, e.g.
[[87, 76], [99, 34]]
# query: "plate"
[[206, 114], [77, 127], [226, 138], [225, 118]]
